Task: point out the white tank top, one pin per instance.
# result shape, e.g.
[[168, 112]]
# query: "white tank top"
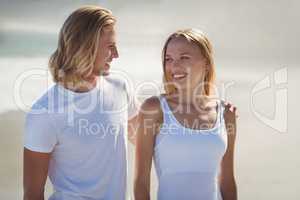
[[187, 161]]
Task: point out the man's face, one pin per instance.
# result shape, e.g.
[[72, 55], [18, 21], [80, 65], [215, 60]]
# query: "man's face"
[[107, 51]]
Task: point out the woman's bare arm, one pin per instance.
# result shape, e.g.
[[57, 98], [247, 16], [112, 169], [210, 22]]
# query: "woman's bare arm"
[[150, 118]]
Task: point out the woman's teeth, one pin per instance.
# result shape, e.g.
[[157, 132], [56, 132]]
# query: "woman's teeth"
[[179, 76]]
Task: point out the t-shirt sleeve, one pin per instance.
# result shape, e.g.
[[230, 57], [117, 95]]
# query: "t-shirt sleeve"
[[39, 133], [133, 104]]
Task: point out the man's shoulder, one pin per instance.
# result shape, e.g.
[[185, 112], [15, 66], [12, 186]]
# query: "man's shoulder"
[[117, 81], [43, 103]]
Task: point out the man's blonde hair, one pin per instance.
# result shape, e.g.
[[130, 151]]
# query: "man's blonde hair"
[[78, 41], [197, 37]]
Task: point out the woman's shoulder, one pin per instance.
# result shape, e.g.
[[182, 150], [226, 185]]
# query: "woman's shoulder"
[[151, 104], [151, 108]]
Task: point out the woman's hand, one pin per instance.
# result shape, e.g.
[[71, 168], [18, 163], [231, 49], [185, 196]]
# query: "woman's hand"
[[230, 115], [227, 179]]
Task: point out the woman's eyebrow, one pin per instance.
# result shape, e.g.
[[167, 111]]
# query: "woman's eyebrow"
[[185, 53]]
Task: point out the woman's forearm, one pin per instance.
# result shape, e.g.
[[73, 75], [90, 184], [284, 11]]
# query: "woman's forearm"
[[141, 191], [229, 191], [33, 195]]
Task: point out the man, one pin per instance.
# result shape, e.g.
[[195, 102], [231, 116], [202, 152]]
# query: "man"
[[75, 132]]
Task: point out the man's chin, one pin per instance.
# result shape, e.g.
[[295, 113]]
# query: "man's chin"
[[101, 73], [104, 73]]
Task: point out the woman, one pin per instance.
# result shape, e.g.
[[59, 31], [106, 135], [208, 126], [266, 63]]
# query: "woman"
[[189, 133]]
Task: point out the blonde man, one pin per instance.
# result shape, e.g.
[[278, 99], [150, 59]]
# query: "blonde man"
[[75, 132]]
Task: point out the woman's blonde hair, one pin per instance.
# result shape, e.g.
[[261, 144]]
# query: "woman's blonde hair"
[[197, 37], [78, 41]]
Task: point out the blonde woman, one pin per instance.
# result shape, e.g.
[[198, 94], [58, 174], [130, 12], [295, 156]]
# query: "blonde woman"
[[75, 131], [188, 132]]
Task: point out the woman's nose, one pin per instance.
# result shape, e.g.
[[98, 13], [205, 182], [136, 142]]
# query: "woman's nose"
[[176, 64]]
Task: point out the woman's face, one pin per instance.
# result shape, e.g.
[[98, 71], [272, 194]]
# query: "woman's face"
[[185, 64]]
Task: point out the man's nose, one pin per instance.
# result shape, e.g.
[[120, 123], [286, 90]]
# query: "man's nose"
[[115, 53]]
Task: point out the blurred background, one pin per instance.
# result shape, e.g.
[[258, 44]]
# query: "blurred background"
[[256, 45]]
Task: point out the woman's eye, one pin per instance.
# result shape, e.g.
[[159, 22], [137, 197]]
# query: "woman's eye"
[[185, 57]]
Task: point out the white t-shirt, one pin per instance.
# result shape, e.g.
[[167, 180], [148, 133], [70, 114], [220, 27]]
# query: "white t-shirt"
[[87, 135]]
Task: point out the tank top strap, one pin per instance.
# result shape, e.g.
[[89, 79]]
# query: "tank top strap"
[[167, 113], [221, 111]]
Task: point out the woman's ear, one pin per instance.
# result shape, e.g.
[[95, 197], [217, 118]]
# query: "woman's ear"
[[207, 64]]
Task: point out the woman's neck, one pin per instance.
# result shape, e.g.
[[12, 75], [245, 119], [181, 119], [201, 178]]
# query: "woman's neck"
[[192, 97]]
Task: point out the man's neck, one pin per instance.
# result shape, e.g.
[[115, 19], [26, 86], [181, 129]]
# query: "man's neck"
[[81, 86]]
